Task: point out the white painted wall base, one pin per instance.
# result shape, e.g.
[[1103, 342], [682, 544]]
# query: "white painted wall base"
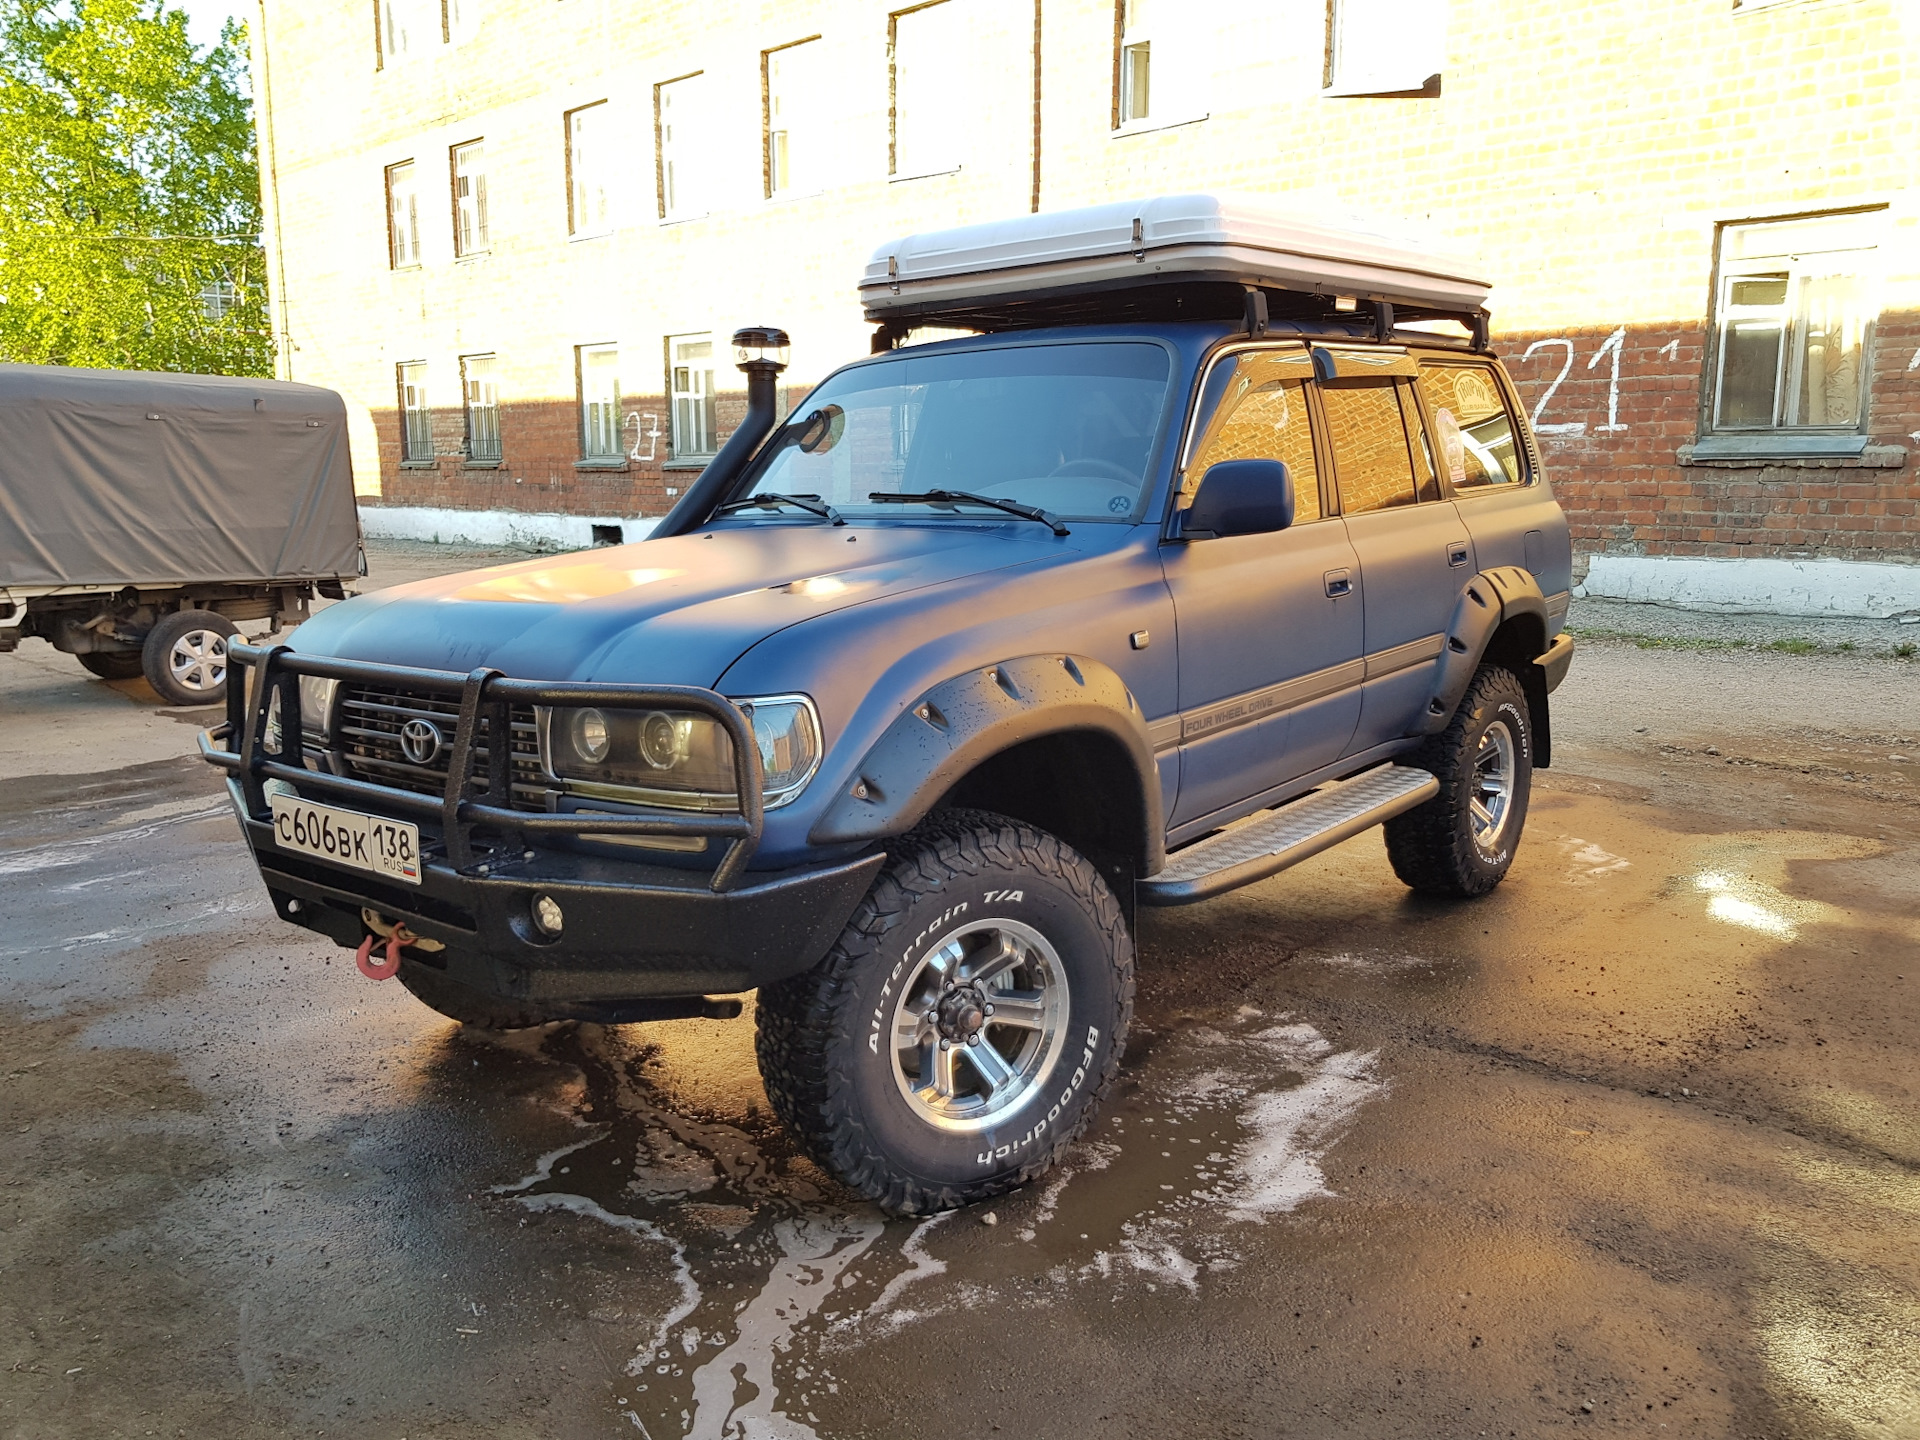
[[446, 526], [1812, 588]]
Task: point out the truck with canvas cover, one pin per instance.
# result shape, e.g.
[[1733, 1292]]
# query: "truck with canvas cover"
[[144, 518], [1215, 538]]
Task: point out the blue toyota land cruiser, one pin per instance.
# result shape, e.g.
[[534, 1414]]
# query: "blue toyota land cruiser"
[[1220, 540]]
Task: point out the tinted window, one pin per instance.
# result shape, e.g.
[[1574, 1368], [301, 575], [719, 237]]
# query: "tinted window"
[[1069, 428], [1262, 415], [1473, 427], [1370, 456]]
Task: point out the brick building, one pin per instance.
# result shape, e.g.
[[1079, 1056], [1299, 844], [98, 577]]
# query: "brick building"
[[516, 233]]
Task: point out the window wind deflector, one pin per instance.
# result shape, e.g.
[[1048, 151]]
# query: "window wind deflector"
[[767, 500], [949, 497]]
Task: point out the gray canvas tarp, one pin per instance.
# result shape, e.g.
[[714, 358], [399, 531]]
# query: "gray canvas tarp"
[[113, 477]]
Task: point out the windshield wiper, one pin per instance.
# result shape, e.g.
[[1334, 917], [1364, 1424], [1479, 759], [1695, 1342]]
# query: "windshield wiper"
[[992, 502], [767, 500]]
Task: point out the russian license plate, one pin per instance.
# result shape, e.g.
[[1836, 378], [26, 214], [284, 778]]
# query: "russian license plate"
[[345, 837]]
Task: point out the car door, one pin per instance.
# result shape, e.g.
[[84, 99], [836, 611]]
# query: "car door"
[[1269, 631], [1413, 549]]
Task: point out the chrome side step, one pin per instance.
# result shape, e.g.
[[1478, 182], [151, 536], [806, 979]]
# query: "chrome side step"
[[1271, 841]]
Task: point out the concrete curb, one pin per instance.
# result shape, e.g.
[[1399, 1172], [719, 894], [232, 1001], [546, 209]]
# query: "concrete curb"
[[448, 526], [1815, 589]]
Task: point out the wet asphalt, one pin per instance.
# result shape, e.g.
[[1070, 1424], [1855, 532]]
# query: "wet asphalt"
[[1632, 1145]]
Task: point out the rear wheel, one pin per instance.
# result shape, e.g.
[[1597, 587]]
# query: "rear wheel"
[[112, 664], [185, 657], [963, 1029], [1462, 841]]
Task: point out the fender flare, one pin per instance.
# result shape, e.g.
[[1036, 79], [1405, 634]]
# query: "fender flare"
[[1489, 601], [971, 717]]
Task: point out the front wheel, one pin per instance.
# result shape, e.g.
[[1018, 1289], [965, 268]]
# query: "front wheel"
[[963, 1029], [1462, 841]]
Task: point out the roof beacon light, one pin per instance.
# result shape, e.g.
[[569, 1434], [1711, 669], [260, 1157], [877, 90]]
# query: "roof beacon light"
[[760, 345]]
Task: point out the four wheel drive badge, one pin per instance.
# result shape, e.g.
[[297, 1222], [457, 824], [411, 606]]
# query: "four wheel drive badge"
[[420, 741]]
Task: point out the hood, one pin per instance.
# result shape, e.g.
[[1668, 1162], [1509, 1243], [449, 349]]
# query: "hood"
[[676, 611]]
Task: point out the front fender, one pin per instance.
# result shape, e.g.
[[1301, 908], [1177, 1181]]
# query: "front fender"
[[969, 718], [1487, 604]]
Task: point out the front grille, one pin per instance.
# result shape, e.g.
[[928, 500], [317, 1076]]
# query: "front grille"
[[368, 736]]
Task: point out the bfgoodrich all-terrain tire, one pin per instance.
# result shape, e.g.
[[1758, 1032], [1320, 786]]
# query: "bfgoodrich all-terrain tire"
[[1462, 841], [966, 1024], [185, 657]]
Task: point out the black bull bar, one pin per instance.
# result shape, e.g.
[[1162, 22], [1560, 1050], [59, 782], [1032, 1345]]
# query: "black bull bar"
[[463, 804]]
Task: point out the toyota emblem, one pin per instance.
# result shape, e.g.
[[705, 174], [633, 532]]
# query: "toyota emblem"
[[420, 741]]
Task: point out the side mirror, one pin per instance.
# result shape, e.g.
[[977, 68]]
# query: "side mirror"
[[1240, 497]]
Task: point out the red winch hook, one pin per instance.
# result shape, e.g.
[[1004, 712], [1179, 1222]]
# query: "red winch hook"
[[386, 969]]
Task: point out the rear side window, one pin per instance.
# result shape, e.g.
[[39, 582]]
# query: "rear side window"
[[1262, 415], [1474, 430], [1370, 454]]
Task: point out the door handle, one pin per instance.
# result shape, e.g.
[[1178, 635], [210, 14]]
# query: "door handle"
[[1339, 583], [1456, 555]]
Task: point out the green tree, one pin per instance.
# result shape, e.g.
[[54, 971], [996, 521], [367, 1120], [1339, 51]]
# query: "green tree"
[[129, 192]]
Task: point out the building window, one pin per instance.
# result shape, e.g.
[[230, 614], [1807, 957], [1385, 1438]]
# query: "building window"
[[1135, 101], [463, 19], [219, 296], [690, 387], [403, 216], [408, 26], [481, 396], [1794, 313], [790, 87], [932, 87], [680, 130], [600, 404], [416, 418], [587, 135], [470, 198], [1385, 47]]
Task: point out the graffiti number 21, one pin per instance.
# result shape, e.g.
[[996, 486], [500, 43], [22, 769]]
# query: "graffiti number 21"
[[1611, 348]]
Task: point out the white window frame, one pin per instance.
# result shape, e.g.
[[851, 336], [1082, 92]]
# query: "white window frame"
[[589, 177], [682, 130], [600, 420], [416, 413], [480, 382], [1135, 64], [1800, 267], [472, 234], [925, 132], [690, 400], [792, 139], [408, 27], [403, 231], [1359, 63]]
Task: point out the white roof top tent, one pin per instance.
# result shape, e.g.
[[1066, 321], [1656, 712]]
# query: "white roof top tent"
[[1168, 257]]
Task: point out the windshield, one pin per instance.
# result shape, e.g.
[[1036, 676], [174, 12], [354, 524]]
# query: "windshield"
[[1067, 428]]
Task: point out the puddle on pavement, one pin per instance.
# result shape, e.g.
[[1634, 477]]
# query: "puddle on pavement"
[[783, 1277]]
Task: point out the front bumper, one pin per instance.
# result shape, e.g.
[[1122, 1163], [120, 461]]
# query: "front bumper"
[[634, 931]]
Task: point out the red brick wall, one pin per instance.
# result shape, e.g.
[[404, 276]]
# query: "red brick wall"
[[1613, 450]]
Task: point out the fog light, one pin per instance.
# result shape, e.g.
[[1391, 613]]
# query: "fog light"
[[546, 915]]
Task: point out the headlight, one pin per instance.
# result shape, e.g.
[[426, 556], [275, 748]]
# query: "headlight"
[[316, 705], [678, 758]]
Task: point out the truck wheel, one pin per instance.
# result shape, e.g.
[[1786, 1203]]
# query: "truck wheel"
[[964, 1027], [185, 657], [1462, 841], [112, 664]]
